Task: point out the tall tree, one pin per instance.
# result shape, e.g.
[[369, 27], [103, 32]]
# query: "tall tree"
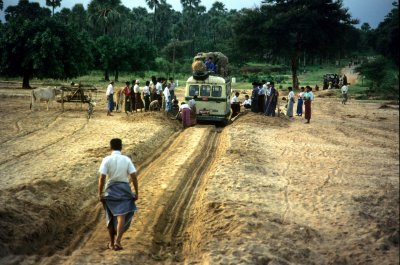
[[53, 3], [104, 13], [154, 4], [34, 44], [290, 27], [1, 4]]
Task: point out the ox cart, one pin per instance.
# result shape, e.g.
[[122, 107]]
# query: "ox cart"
[[79, 93]]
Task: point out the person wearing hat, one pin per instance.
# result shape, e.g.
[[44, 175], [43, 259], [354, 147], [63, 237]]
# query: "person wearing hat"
[[138, 99], [110, 98]]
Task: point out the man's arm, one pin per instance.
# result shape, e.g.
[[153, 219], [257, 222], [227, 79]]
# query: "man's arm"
[[135, 185], [101, 186]]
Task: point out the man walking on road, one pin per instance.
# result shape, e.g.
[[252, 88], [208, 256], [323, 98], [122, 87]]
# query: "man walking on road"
[[344, 89], [117, 197], [110, 98]]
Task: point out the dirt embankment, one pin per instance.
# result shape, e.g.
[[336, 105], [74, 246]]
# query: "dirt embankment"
[[261, 191]]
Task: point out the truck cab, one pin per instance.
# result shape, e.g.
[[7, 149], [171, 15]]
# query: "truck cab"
[[213, 98]]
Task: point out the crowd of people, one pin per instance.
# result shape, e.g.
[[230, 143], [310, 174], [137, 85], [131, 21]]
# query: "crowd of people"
[[264, 100], [157, 94]]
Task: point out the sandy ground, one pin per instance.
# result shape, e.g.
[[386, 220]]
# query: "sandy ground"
[[262, 190]]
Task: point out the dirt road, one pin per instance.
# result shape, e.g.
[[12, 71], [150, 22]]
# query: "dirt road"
[[260, 191]]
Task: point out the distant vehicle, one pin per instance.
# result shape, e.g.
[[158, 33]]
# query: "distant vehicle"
[[213, 98], [331, 81]]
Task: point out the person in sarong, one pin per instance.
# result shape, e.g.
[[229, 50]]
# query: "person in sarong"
[[146, 96], [254, 97], [185, 114], [235, 105], [193, 111], [159, 91], [138, 99], [110, 98], [270, 111], [127, 92], [308, 98], [261, 96], [290, 105], [167, 99], [133, 95], [117, 197], [172, 87], [299, 110]]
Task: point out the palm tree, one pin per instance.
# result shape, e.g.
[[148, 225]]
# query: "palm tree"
[[154, 4], [53, 4], [104, 13], [1, 4]]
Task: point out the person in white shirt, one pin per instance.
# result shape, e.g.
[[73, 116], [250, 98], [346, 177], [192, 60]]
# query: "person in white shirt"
[[247, 102], [146, 96], [308, 98], [193, 110], [185, 115], [110, 98], [345, 90], [138, 99], [235, 105], [167, 99], [159, 91], [117, 197], [261, 96], [172, 86], [290, 104]]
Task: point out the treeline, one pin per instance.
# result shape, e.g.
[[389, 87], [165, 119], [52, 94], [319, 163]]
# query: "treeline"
[[107, 36]]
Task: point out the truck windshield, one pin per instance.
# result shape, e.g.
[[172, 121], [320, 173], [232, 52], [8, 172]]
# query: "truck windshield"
[[193, 90], [216, 91], [205, 91]]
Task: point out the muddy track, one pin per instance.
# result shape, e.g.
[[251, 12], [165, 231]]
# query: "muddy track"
[[168, 184]]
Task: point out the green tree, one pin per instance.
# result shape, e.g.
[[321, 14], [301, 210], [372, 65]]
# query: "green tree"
[[40, 46], [315, 26], [386, 36], [104, 13], [154, 4], [53, 3]]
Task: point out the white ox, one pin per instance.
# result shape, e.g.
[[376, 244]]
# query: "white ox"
[[46, 94]]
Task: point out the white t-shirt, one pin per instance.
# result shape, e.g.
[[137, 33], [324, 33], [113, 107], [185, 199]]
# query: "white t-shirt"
[[117, 167], [110, 90], [192, 103], [166, 94], [291, 95], [159, 88], [345, 89], [247, 102], [146, 90], [269, 91], [172, 86], [234, 100], [136, 88]]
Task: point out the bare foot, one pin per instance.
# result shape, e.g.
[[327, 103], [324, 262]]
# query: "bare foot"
[[117, 246], [110, 245]]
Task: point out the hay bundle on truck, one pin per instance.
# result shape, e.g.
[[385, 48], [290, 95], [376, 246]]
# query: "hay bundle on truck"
[[212, 89]]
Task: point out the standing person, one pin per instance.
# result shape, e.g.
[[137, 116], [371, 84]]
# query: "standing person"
[[235, 105], [117, 197], [110, 98], [120, 99], [268, 95], [261, 96], [299, 110], [247, 102], [185, 114], [159, 91], [308, 98], [127, 93], [153, 93], [254, 97], [133, 95], [167, 99], [138, 99], [193, 110], [344, 80], [272, 101], [146, 96], [344, 90], [289, 112], [172, 87]]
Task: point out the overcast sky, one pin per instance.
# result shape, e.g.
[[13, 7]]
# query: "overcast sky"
[[370, 11]]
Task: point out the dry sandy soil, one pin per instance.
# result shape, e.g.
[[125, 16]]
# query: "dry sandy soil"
[[262, 190]]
